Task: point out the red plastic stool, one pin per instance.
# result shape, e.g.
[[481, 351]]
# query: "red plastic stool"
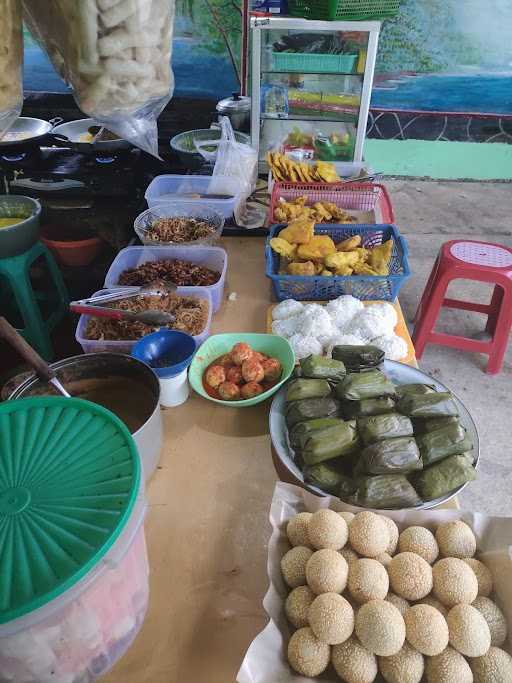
[[468, 260]]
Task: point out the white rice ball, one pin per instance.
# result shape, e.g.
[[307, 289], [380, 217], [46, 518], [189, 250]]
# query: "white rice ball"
[[286, 327], [386, 310], [343, 309], [315, 322], [304, 346], [287, 309], [369, 325], [393, 346]]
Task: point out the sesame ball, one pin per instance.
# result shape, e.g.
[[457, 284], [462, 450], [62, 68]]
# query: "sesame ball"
[[430, 600], [400, 603], [326, 529], [406, 666], [349, 555], [347, 516], [353, 663], [293, 566], [419, 540], [456, 539], [454, 582], [368, 534], [331, 618], [494, 667], [297, 604], [393, 534], [367, 580], [307, 655], [448, 667], [380, 628], [483, 576], [426, 629], [410, 576], [469, 632], [495, 619], [384, 559], [326, 572], [297, 529]]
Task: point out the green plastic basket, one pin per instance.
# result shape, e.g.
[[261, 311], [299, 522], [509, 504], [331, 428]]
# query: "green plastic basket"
[[69, 479], [313, 63], [348, 10]]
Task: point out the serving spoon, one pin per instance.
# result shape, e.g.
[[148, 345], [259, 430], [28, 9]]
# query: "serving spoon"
[[41, 367]]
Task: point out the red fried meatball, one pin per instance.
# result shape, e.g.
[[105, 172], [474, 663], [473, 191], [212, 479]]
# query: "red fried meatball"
[[229, 391], [234, 375], [260, 357], [241, 352], [215, 375], [251, 389], [272, 369], [252, 371], [226, 361]]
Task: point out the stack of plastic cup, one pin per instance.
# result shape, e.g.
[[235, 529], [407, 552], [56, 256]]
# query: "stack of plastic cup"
[[169, 353]]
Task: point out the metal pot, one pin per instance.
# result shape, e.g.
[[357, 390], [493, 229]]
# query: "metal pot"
[[98, 371], [69, 134], [238, 109]]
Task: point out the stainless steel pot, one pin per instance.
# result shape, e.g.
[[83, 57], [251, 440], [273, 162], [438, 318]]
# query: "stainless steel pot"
[[72, 132], [238, 109], [78, 372]]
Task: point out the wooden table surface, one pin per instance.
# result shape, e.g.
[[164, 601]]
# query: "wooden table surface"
[[207, 528]]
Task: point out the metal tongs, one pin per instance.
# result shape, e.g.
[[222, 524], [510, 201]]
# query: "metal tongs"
[[94, 307]]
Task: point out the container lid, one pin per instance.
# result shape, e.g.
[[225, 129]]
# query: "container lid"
[[235, 103], [69, 478]]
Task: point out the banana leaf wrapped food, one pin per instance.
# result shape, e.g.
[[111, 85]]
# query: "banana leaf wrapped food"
[[379, 427], [311, 409], [302, 430], [299, 389], [435, 404], [328, 478], [358, 358], [385, 491], [392, 456], [439, 444], [445, 476], [369, 406], [405, 389], [430, 425], [330, 443], [320, 367], [371, 384]]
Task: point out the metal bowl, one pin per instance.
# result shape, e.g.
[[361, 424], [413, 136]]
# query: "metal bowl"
[[25, 130], [184, 144], [399, 373]]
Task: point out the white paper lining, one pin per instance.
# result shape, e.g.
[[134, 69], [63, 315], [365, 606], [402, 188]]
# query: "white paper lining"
[[265, 660]]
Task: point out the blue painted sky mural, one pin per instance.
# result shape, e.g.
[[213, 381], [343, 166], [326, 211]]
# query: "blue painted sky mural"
[[437, 55]]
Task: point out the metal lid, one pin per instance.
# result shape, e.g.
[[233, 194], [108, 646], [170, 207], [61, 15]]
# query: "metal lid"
[[235, 103], [69, 478]]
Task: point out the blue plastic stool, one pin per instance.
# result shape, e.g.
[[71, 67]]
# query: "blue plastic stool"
[[16, 271]]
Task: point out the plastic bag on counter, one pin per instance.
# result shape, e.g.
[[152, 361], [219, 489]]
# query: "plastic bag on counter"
[[232, 160], [115, 54], [11, 63]]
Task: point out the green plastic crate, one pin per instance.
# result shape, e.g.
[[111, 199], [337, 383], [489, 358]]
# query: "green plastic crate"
[[313, 63], [348, 10]]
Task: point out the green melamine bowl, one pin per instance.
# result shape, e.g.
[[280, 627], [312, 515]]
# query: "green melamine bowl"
[[219, 344]]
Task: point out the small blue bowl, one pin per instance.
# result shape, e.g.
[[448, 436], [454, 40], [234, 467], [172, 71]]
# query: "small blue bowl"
[[167, 352]]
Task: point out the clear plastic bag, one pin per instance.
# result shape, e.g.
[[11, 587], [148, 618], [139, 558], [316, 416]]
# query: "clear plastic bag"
[[115, 54], [11, 63], [232, 160]]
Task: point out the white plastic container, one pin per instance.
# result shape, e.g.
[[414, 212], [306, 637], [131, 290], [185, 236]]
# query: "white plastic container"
[[125, 346], [174, 390], [209, 257], [165, 188]]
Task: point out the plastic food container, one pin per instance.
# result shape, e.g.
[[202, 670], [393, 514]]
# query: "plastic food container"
[[126, 345], [83, 593], [179, 210], [209, 257], [76, 252], [164, 188]]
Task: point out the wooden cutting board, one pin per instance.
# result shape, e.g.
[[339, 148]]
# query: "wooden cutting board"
[[400, 329]]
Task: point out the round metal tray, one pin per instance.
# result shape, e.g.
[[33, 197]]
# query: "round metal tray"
[[399, 374]]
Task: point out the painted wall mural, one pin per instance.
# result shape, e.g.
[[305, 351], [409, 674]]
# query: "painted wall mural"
[[437, 56]]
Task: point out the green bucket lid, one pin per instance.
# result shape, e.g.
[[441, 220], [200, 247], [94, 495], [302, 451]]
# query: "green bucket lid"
[[69, 479]]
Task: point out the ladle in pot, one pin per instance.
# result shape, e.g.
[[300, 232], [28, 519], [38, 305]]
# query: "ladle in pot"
[[43, 370]]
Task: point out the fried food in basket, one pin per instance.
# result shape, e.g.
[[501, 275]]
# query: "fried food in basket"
[[319, 212], [299, 231], [285, 169], [318, 248]]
